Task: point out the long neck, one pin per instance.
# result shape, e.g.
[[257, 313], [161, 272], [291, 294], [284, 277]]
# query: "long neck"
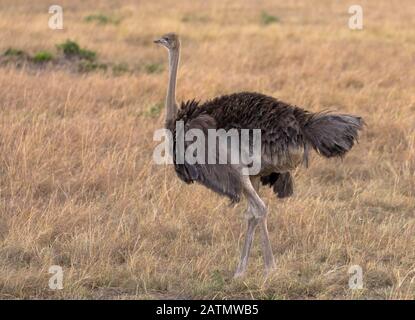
[[171, 104]]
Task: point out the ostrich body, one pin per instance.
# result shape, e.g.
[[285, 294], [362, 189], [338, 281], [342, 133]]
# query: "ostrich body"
[[287, 134]]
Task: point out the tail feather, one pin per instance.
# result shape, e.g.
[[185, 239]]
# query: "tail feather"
[[281, 182], [332, 135]]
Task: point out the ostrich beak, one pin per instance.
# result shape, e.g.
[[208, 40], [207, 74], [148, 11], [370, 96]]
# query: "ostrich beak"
[[160, 41]]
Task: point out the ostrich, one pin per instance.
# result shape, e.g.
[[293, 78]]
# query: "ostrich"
[[287, 134]]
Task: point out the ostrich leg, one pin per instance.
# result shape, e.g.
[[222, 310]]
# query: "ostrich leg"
[[256, 213], [243, 263], [266, 244]]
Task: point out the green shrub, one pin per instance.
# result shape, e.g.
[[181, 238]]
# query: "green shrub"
[[72, 49], [268, 19], [42, 56], [87, 54], [69, 48]]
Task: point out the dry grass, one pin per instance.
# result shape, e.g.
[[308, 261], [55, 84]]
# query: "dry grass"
[[78, 187]]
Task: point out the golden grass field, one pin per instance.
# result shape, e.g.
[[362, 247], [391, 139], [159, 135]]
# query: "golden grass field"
[[79, 188]]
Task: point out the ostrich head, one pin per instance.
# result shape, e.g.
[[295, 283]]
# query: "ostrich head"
[[170, 41]]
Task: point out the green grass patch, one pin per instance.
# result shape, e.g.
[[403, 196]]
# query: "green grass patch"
[[119, 69], [153, 67], [102, 19], [192, 18], [11, 52], [72, 49], [42, 57], [88, 54], [218, 282], [81, 59], [155, 110], [69, 48], [267, 19], [88, 66]]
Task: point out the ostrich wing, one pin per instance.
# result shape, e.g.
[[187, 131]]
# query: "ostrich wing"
[[221, 178]]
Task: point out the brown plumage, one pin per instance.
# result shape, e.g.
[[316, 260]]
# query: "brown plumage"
[[286, 131], [287, 135]]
